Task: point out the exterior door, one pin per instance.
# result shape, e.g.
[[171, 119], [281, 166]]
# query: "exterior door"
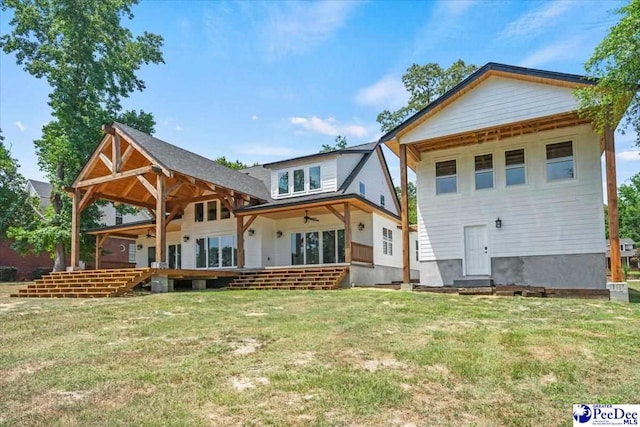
[[175, 256], [476, 255]]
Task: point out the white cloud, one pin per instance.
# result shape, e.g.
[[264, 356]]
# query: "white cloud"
[[535, 21], [254, 117], [268, 150], [19, 125], [179, 128], [297, 27], [629, 156], [565, 49], [388, 92], [458, 7], [329, 126]]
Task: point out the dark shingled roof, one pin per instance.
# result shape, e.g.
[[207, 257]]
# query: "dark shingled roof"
[[362, 148], [42, 188], [183, 161], [512, 69]]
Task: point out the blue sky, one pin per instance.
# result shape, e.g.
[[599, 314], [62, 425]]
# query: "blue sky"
[[261, 82]]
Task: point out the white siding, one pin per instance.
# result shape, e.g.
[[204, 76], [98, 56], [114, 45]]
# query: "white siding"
[[538, 218], [328, 171], [373, 176], [379, 258], [496, 101], [109, 215], [346, 164]]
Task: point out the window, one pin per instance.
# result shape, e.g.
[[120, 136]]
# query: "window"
[[174, 256], [560, 161], [283, 183], [446, 178], [387, 241], [198, 212], [382, 200], [212, 210], [514, 167], [363, 189], [314, 178], [132, 253], [201, 253], [326, 247], [224, 212], [216, 251], [151, 255], [417, 251], [118, 217], [298, 180], [484, 171]]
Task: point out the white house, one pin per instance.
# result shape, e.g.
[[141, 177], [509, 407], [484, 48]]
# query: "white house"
[[509, 182]]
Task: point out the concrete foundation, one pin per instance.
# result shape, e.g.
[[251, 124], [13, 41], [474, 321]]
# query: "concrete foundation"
[[199, 285], [618, 291], [170, 286], [159, 283], [371, 275], [439, 273], [159, 265]]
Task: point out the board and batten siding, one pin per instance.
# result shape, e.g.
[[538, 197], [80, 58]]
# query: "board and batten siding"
[[376, 184], [538, 218], [496, 101], [328, 176]]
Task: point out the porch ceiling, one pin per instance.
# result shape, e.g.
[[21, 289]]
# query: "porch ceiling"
[[132, 231]]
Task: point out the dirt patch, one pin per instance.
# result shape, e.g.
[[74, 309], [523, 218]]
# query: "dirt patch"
[[10, 305], [304, 358], [438, 369], [256, 314], [13, 374], [246, 346], [374, 365], [244, 383]]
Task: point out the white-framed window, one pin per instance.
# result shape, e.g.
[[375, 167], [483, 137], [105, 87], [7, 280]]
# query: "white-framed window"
[[560, 164], [363, 189], [283, 182], [198, 212], [318, 247], [387, 241], [118, 217], [514, 164], [484, 171], [132, 253], [315, 178], [382, 201], [298, 181], [216, 251], [446, 177]]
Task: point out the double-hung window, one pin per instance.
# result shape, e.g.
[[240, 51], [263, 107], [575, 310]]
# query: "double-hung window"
[[446, 177], [387, 241], [560, 164], [484, 171], [514, 167]]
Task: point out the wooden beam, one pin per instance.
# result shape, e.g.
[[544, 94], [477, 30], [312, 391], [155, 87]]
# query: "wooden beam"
[[226, 203], [116, 176], [129, 187], [87, 198], [120, 199], [103, 157], [336, 213], [125, 156], [347, 233], [100, 239], [248, 224], [612, 204], [175, 187], [148, 186], [240, 241], [116, 159], [404, 215], [177, 209], [161, 229], [75, 230]]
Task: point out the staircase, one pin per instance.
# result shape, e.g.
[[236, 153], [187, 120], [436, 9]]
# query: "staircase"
[[311, 278], [86, 283]]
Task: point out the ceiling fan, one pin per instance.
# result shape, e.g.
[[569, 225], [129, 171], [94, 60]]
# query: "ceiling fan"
[[308, 218]]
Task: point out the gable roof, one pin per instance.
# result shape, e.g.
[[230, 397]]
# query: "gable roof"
[[356, 149], [43, 189], [504, 70], [177, 159]]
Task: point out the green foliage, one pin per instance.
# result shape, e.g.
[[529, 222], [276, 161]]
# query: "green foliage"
[[629, 208], [340, 144], [90, 61], [8, 274], [425, 83], [235, 165], [616, 63], [413, 201], [14, 199]]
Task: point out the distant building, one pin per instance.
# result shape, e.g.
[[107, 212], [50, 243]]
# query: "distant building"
[[628, 254]]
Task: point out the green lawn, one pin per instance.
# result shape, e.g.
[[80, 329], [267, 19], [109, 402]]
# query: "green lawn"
[[354, 357]]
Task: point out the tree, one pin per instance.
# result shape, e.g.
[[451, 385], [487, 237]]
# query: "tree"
[[236, 165], [425, 83], [413, 201], [14, 199], [340, 144], [629, 208], [90, 62], [616, 63]]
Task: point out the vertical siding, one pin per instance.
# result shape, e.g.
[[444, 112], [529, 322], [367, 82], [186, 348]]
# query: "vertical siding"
[[538, 218], [373, 176], [498, 100]]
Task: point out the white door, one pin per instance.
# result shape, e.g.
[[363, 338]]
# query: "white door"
[[476, 255]]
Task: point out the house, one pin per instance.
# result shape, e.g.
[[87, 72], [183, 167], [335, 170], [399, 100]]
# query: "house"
[[628, 253], [333, 208], [509, 182]]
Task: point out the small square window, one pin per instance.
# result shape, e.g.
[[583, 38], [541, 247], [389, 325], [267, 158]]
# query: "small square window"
[[560, 163], [199, 212], [514, 167], [382, 201], [118, 217], [446, 177], [363, 191], [484, 171]]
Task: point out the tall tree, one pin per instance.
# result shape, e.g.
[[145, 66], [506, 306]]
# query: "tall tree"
[[236, 164], [14, 199], [629, 208], [425, 83], [90, 62], [616, 63], [340, 144], [413, 201]]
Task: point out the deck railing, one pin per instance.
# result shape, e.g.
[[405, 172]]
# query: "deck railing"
[[361, 253]]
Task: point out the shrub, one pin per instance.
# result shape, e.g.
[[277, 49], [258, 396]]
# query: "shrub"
[[39, 272], [8, 274]]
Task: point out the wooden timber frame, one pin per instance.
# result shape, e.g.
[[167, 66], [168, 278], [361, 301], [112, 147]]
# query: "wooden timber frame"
[[410, 154], [122, 171]]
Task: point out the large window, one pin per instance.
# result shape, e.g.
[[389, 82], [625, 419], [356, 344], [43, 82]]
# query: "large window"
[[514, 167], [315, 247], [216, 251], [387, 241], [446, 178], [484, 171], [314, 178], [298, 180], [560, 161], [283, 183], [198, 209], [175, 256]]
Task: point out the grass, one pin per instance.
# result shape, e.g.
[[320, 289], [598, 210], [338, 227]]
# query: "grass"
[[355, 357]]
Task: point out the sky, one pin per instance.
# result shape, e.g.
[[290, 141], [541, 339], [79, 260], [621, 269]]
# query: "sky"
[[264, 81]]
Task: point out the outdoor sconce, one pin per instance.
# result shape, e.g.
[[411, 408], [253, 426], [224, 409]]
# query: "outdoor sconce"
[[139, 247], [278, 234], [185, 238], [252, 232], [361, 226], [498, 223]]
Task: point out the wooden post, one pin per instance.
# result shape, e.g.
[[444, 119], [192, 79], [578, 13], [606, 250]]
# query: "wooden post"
[[75, 230], [347, 233], [612, 202], [98, 251], [161, 229], [240, 238], [115, 153], [404, 215]]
